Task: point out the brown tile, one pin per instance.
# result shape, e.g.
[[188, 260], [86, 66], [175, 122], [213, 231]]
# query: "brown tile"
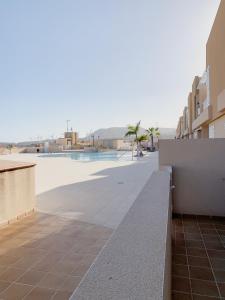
[[11, 274], [218, 263], [179, 236], [3, 285], [199, 297], [181, 296], [219, 275], [194, 244], [40, 294], [26, 262], [209, 231], [64, 295], [207, 226], [203, 287], [211, 238], [181, 284], [198, 261], [180, 270], [221, 232], [15, 291], [201, 273], [31, 277], [193, 236], [205, 219], [196, 252], [179, 250], [6, 260], [216, 245], [63, 267], [217, 253], [180, 259], [70, 283], [2, 269], [80, 269], [52, 281], [222, 289]]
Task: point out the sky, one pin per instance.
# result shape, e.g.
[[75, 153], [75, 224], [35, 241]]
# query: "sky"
[[97, 63]]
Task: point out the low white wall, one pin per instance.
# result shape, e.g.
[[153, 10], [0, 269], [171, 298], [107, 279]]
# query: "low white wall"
[[198, 174], [136, 261], [17, 193]]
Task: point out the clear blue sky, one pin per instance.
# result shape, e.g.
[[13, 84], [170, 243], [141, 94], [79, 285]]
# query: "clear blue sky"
[[99, 63]]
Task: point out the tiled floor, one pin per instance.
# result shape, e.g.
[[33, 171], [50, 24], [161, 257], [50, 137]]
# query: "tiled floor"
[[45, 256], [198, 258]]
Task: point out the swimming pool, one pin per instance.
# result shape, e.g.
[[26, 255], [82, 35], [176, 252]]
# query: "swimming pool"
[[90, 156]]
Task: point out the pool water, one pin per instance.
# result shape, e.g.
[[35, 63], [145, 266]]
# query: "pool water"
[[89, 156]]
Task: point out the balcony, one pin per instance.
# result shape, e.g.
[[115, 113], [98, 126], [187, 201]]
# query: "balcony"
[[203, 117], [221, 102]]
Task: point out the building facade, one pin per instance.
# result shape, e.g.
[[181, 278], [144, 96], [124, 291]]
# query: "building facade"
[[204, 116]]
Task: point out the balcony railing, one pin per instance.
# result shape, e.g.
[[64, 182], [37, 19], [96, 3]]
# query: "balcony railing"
[[204, 117]]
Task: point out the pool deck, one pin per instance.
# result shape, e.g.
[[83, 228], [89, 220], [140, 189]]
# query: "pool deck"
[[97, 192]]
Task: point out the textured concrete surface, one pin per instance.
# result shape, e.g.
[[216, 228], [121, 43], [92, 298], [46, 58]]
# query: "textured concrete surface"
[[134, 262], [98, 192]]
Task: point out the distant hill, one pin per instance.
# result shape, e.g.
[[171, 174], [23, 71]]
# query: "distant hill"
[[119, 133]]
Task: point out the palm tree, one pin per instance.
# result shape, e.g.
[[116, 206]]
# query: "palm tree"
[[153, 132], [133, 131]]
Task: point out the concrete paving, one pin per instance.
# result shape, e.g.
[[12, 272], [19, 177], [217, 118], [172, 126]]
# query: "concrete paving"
[[97, 192]]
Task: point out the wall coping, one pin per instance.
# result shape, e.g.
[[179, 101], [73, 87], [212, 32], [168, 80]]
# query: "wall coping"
[[134, 262], [8, 165]]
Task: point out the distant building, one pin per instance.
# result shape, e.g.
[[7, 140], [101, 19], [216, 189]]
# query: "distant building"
[[117, 144], [69, 140], [205, 115]]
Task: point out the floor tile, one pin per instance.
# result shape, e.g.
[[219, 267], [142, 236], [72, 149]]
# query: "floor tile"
[[181, 296], [180, 270], [70, 283], [40, 294], [218, 263], [181, 284], [219, 275], [201, 273], [3, 285], [64, 295], [222, 289], [198, 261], [31, 277], [199, 297], [196, 252], [11, 274], [180, 259], [15, 291], [52, 281], [203, 287]]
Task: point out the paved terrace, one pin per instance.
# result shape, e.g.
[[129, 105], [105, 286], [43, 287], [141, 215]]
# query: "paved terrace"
[[44, 257], [198, 258]]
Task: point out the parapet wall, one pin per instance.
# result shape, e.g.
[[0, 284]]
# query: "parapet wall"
[[198, 174], [17, 190]]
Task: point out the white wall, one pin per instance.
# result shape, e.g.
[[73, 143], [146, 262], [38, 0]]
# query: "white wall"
[[198, 174]]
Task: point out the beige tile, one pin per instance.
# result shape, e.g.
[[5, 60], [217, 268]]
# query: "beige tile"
[[3, 285], [62, 295], [70, 283], [52, 281], [15, 292], [6, 260], [11, 274], [31, 277], [40, 294], [26, 262]]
